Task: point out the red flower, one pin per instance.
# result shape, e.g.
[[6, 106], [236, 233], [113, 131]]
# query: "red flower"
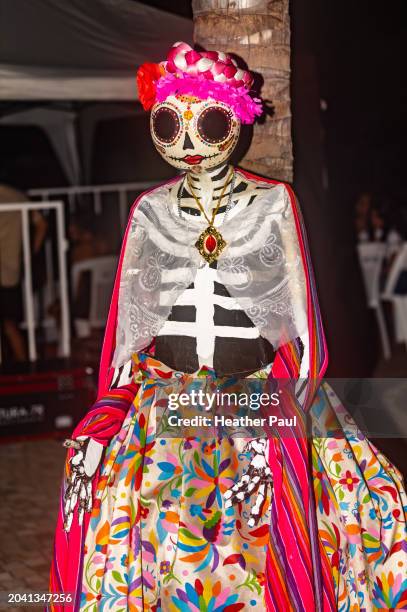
[[349, 480], [147, 75], [144, 512]]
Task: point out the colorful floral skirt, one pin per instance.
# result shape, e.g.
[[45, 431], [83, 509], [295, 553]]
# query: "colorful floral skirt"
[[160, 537]]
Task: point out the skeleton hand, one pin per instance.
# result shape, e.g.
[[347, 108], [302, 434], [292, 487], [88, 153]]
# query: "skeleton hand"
[[255, 480], [83, 467]]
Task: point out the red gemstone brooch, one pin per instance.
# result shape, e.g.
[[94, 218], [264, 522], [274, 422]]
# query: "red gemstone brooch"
[[210, 242]]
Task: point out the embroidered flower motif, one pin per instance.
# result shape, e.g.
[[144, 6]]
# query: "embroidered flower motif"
[[191, 443], [206, 596], [170, 467], [143, 324], [349, 480], [271, 254], [211, 478], [150, 278], [168, 522], [389, 592], [165, 568], [238, 274], [208, 448], [362, 577], [144, 512], [279, 304]]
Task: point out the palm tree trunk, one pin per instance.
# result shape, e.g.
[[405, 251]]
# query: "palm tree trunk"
[[258, 31]]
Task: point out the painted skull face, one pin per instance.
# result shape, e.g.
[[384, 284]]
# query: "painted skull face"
[[194, 134]]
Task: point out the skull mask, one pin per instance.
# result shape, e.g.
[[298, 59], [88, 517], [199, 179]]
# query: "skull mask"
[[194, 134]]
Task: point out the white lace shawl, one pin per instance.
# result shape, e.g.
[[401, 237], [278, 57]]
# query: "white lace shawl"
[[261, 267]]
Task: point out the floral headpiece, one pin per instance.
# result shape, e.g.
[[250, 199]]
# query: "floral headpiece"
[[205, 74]]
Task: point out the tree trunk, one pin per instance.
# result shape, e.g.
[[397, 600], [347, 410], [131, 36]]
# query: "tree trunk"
[[258, 31]]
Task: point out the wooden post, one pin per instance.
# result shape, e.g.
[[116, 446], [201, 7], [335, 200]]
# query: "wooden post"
[[258, 31]]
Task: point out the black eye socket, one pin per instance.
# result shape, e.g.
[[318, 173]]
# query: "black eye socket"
[[214, 124], [166, 125]]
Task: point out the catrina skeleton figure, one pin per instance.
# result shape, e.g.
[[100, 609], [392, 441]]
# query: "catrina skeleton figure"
[[215, 287]]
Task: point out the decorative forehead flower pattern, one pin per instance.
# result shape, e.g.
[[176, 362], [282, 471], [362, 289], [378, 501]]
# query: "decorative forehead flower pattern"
[[206, 74]]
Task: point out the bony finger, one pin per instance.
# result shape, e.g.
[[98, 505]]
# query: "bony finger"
[[252, 486], [68, 522], [74, 499], [67, 506], [239, 497], [72, 506], [93, 457], [89, 498], [77, 459], [72, 477]]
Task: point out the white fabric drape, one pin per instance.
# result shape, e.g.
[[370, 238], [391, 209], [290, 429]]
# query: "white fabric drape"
[[261, 267]]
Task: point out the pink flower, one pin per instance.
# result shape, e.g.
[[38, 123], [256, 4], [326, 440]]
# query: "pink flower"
[[243, 105]]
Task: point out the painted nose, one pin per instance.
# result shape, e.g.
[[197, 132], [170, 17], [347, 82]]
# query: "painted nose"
[[187, 142]]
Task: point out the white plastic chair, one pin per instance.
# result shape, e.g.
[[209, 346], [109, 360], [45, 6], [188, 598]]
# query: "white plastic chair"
[[399, 301], [371, 256], [102, 272]]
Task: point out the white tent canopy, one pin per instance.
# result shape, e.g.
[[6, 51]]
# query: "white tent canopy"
[[78, 50], [81, 50]]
